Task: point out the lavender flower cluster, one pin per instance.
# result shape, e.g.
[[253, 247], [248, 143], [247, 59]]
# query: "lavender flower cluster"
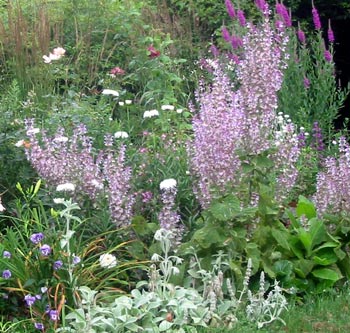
[[332, 192], [61, 159], [244, 119]]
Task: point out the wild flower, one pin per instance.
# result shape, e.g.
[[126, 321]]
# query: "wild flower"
[[168, 217], [76, 260], [58, 201], [36, 238], [241, 17], [230, 9], [306, 82], [167, 107], [327, 55], [330, 33], [57, 265], [39, 326], [117, 71], [225, 34], [152, 52], [301, 36], [107, 260], [56, 54], [53, 314], [66, 187], [6, 274], [110, 92], [316, 18], [29, 300], [151, 113], [128, 101], [282, 11], [45, 250], [6, 254], [121, 135]]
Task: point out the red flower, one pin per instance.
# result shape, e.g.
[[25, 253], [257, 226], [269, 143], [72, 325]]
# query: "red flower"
[[117, 71], [153, 53]]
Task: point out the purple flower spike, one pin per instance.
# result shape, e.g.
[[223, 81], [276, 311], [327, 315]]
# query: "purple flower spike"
[[230, 9], [45, 250], [241, 17], [282, 11], [327, 56], [301, 36], [306, 83], [316, 18], [262, 5], [37, 238], [330, 33], [225, 34]]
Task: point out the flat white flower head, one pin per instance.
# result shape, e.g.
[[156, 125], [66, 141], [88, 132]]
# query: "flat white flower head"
[[167, 184], [58, 200], [69, 187], [33, 131], [121, 135], [110, 92], [128, 101], [150, 114], [19, 143], [108, 260], [167, 107], [121, 103], [59, 51]]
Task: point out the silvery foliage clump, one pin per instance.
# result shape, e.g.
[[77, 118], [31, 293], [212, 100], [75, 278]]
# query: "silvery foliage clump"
[[157, 305]]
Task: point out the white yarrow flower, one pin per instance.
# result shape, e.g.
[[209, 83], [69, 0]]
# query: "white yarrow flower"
[[110, 92], [121, 103], [108, 260], [58, 200], [167, 107], [19, 143], [33, 131], [167, 184], [128, 101], [150, 114], [121, 135], [65, 187]]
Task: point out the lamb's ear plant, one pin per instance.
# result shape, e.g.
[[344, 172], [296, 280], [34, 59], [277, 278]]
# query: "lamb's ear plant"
[[157, 305]]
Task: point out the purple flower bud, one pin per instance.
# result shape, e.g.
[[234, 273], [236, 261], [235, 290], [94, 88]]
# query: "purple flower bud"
[[225, 34], [230, 9], [37, 238], [241, 17], [282, 11], [262, 5], [327, 55], [301, 36], [316, 18], [330, 33], [236, 42], [45, 250], [6, 274], [39, 326], [306, 83], [57, 265], [76, 260], [6, 254], [29, 299]]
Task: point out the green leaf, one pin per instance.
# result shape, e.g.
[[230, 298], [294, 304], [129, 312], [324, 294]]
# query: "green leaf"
[[226, 209], [165, 325], [305, 207], [281, 238], [283, 268], [326, 274], [318, 232], [303, 267]]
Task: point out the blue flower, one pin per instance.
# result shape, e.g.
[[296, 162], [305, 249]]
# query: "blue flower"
[[76, 260], [57, 265], [37, 238], [45, 250], [6, 254], [6, 274], [29, 299], [53, 315], [39, 326]]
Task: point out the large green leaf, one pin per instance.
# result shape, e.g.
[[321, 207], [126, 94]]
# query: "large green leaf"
[[326, 274], [225, 209], [325, 257], [208, 235], [305, 207], [303, 267], [281, 238]]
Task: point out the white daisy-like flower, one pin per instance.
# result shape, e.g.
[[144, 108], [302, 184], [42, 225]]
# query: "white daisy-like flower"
[[167, 107], [108, 260], [121, 103], [121, 135], [69, 187], [110, 92], [128, 101], [167, 184]]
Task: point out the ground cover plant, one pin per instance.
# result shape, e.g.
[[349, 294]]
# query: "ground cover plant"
[[144, 194]]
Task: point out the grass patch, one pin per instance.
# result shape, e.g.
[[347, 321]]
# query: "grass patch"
[[325, 313]]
